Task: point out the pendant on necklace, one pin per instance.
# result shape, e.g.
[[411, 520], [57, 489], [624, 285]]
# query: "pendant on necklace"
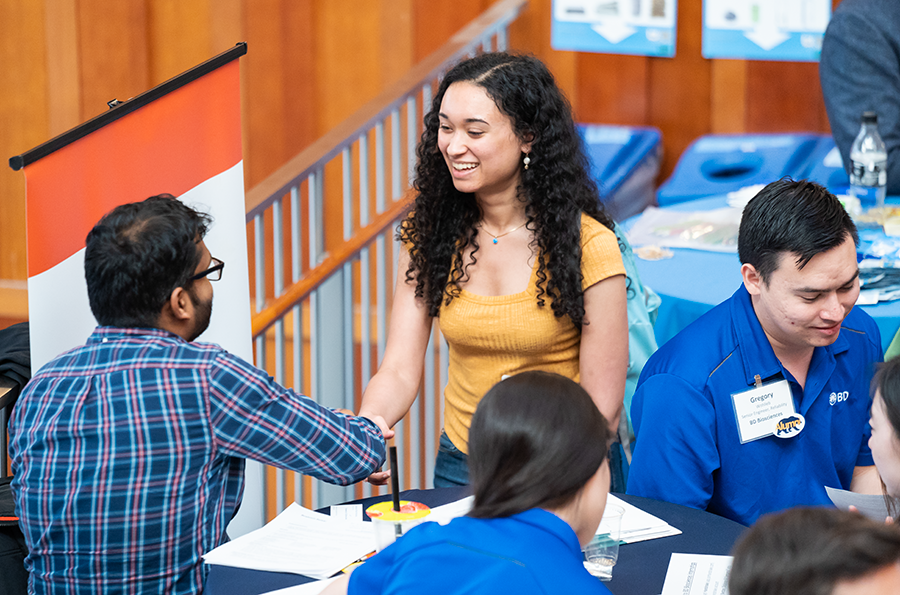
[[505, 233]]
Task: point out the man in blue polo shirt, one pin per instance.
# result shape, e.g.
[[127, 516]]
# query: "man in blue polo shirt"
[[764, 400]]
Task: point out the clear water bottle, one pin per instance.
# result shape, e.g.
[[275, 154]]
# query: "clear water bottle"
[[868, 163]]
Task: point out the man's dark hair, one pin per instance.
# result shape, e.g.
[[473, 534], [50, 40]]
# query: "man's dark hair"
[[535, 440], [798, 217], [806, 551], [137, 255]]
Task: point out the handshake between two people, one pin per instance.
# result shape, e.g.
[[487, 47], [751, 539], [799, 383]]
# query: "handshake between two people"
[[379, 478]]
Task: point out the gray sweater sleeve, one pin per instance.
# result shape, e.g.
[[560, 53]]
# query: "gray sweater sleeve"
[[860, 71]]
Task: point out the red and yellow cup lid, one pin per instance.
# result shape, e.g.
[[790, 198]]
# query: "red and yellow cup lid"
[[408, 511]]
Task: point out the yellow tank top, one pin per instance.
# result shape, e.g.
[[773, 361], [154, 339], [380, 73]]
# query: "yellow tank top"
[[493, 336]]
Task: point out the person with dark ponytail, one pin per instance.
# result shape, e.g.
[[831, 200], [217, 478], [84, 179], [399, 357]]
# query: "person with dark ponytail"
[[508, 245], [538, 453]]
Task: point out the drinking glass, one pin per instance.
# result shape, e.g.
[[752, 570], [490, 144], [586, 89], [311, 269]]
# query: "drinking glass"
[[601, 554]]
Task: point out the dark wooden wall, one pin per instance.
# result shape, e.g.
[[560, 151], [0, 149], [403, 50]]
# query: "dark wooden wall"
[[313, 62]]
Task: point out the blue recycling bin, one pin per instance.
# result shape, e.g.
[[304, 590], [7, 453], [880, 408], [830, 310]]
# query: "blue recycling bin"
[[625, 162], [718, 164], [826, 166]]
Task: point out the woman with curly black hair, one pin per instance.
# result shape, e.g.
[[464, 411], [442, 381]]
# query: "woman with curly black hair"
[[508, 245]]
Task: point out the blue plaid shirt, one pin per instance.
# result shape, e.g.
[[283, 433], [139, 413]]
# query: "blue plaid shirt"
[[128, 455]]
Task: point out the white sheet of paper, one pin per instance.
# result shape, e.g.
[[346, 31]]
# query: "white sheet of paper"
[[313, 588], [446, 513], [639, 525], [871, 505], [300, 541], [347, 512], [697, 574]]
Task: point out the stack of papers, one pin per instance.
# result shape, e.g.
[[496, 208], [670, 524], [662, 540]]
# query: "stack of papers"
[[715, 230], [638, 525], [299, 541], [313, 544]]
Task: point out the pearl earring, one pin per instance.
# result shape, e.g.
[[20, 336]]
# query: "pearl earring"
[[526, 161]]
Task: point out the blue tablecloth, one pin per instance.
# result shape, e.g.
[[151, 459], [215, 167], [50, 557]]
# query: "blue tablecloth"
[[641, 569], [695, 280]]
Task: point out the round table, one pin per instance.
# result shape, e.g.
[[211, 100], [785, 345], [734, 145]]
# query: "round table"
[[641, 569], [693, 281], [642, 566]]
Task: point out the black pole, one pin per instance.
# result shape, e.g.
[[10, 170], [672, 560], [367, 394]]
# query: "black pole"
[[119, 109]]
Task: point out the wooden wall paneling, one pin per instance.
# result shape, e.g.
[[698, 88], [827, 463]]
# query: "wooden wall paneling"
[[114, 53], [435, 22], [680, 88], [298, 74], [531, 33], [178, 37], [226, 24], [729, 96], [13, 302], [397, 51], [348, 58], [613, 89], [784, 96], [266, 123], [23, 122], [63, 66]]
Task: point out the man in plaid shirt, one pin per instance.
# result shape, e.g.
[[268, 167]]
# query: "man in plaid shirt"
[[128, 452]]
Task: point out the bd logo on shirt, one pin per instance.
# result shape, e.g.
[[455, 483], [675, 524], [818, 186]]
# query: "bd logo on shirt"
[[838, 397], [789, 426]]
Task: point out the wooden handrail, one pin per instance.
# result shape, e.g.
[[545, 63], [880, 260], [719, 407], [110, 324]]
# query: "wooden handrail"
[[333, 142], [317, 275]]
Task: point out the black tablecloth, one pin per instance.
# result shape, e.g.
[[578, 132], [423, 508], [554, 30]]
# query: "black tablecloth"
[[641, 569]]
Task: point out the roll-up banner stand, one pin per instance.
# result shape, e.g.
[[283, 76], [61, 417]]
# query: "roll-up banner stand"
[[183, 137]]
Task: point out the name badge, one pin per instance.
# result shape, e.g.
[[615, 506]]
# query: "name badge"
[[759, 410]]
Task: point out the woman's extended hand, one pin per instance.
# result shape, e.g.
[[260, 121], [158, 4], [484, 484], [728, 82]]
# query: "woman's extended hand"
[[378, 420]]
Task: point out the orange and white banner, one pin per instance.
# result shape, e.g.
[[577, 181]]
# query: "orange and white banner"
[[182, 138]]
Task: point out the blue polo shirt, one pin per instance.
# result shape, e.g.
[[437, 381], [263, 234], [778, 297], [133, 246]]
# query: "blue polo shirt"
[[688, 449], [532, 552]]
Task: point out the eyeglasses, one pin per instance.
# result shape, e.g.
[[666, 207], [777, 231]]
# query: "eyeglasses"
[[214, 273]]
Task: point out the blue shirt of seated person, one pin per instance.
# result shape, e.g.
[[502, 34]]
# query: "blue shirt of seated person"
[[793, 321], [531, 552], [538, 464]]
